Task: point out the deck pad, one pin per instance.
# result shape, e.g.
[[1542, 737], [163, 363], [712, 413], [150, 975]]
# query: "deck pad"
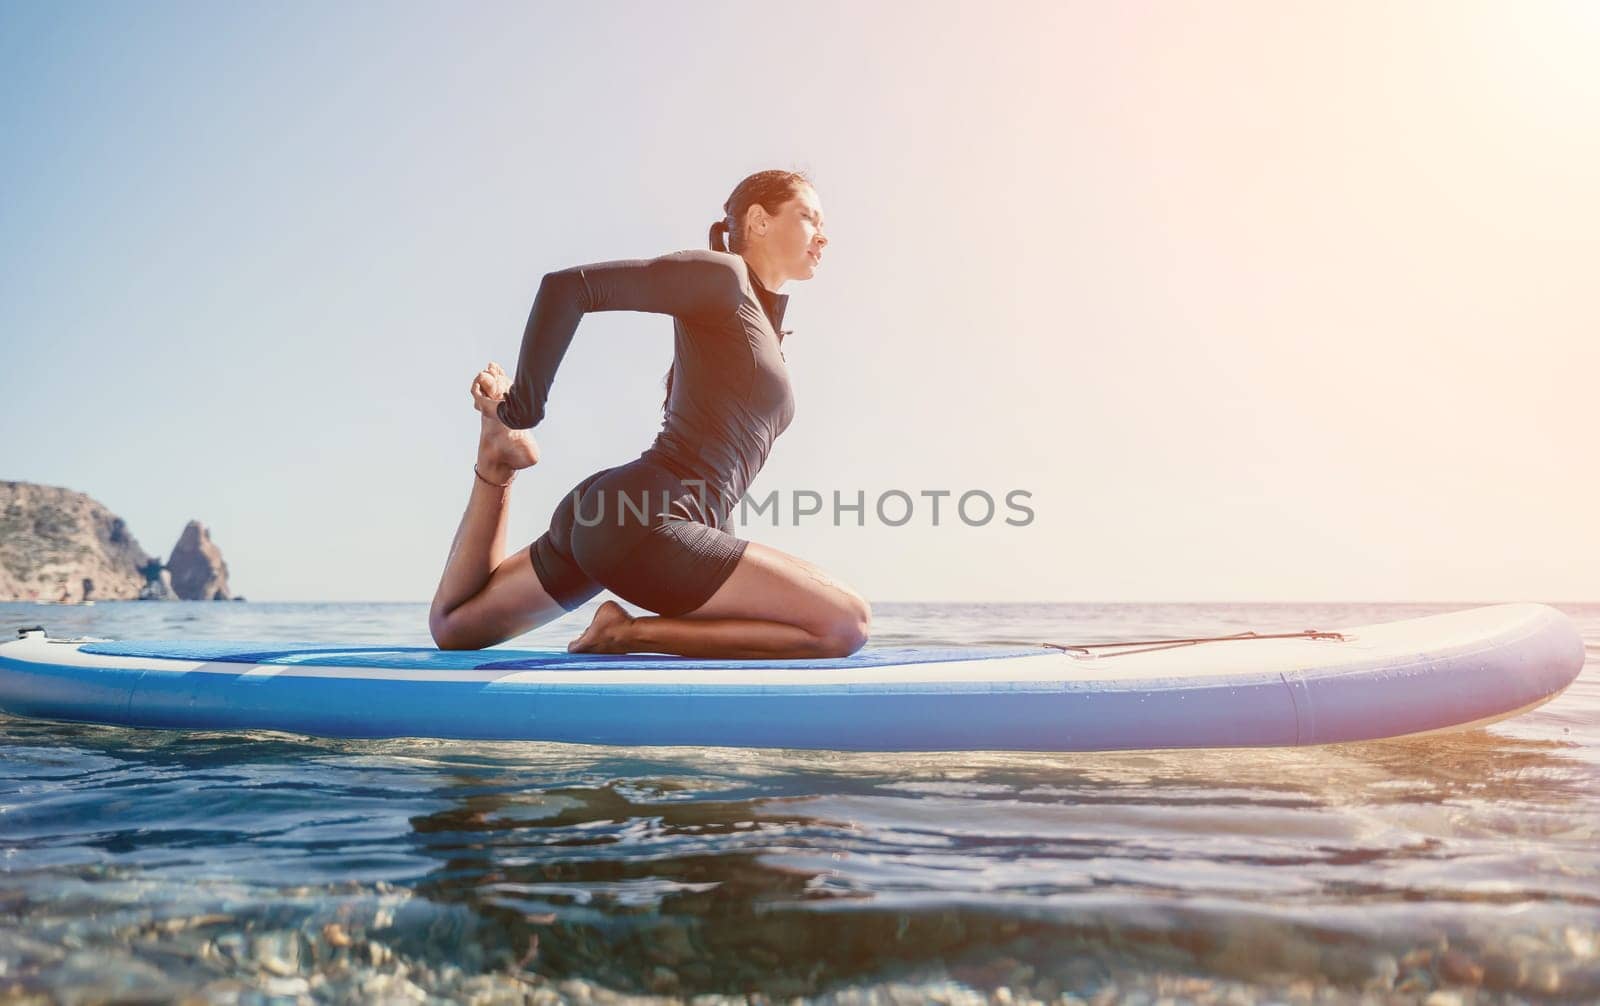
[[421, 658]]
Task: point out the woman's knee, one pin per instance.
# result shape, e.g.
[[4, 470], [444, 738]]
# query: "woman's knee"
[[849, 628], [450, 633]]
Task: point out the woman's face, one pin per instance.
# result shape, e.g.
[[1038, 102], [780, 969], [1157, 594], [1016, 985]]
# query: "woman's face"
[[794, 236]]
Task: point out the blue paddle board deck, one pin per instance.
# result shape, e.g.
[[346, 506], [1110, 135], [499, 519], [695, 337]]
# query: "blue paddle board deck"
[[1440, 672]]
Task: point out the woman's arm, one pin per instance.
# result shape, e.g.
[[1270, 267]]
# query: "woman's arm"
[[685, 284]]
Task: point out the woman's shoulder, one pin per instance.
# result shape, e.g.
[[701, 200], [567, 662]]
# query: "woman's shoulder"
[[716, 260], [723, 277]]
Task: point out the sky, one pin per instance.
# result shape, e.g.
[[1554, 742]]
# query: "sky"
[[1253, 301]]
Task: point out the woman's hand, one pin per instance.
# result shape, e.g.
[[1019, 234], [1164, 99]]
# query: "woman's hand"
[[489, 389]]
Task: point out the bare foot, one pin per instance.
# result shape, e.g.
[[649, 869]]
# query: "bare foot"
[[501, 450], [604, 634]]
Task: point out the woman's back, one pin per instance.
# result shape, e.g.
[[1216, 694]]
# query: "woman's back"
[[731, 396]]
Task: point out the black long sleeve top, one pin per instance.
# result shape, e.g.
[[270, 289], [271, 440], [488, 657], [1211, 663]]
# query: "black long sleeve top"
[[730, 397]]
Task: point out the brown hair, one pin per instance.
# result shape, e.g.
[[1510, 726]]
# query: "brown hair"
[[769, 188]]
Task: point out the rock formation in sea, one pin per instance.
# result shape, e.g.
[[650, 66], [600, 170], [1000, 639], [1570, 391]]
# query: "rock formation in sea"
[[158, 583], [198, 572], [60, 545]]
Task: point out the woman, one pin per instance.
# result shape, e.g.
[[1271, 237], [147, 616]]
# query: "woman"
[[652, 530]]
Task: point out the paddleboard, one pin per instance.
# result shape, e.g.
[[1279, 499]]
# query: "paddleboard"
[[1440, 672]]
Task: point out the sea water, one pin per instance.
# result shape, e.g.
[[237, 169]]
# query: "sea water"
[[264, 867]]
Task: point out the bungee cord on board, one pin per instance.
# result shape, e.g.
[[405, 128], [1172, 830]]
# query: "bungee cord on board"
[[1081, 650]]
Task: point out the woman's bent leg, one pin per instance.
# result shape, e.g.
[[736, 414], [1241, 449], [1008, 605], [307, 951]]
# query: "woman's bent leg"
[[513, 602], [773, 606], [485, 597]]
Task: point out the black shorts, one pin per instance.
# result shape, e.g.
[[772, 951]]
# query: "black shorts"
[[639, 531]]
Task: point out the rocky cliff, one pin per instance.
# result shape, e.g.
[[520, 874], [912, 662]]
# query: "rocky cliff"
[[60, 545]]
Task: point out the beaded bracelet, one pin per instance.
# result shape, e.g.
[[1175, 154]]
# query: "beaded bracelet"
[[497, 485]]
